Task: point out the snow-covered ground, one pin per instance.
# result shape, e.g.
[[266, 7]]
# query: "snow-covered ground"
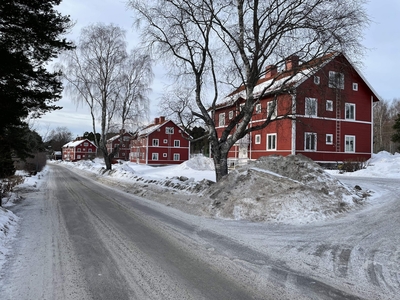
[[291, 190], [8, 220]]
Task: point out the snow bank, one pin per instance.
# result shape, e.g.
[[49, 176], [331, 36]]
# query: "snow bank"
[[8, 223], [291, 189], [382, 164], [198, 163], [8, 220]]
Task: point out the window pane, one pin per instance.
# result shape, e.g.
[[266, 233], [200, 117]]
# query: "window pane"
[[336, 80], [222, 119], [350, 144], [310, 141], [350, 111], [272, 109], [329, 105], [271, 142], [311, 107]]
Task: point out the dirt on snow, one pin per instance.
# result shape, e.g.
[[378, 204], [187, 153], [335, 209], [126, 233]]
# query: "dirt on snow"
[[291, 189]]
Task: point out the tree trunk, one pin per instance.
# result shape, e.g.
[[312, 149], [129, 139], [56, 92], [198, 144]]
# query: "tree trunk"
[[220, 161], [221, 168], [106, 157], [107, 161]]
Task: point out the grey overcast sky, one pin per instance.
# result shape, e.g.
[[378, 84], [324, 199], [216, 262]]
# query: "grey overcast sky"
[[381, 63]]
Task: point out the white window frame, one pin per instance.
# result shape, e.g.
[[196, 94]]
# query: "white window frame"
[[350, 111], [78, 156], [270, 105], [271, 142], [355, 86], [169, 130], [85, 144], [258, 108], [257, 139], [230, 115], [90, 150], [307, 143], [177, 156], [221, 119], [177, 143], [329, 105], [155, 143], [79, 150], [154, 156], [336, 80], [350, 143], [329, 139], [165, 141], [317, 80], [311, 106], [165, 155]]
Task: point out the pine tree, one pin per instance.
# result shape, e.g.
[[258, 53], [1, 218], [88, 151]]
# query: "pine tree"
[[30, 33]]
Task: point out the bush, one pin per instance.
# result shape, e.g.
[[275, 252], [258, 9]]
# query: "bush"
[[7, 185], [352, 165], [34, 164]]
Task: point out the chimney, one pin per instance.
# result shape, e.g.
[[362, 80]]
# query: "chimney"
[[271, 71], [156, 121], [292, 62], [162, 119]]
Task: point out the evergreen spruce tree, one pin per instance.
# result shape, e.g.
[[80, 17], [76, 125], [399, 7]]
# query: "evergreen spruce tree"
[[30, 37]]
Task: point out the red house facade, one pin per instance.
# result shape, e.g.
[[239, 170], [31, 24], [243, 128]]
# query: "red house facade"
[[326, 113], [79, 150], [122, 141], [161, 143]]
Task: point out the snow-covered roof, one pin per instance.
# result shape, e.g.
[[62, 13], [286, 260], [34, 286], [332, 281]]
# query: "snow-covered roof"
[[151, 128], [112, 139], [77, 143], [289, 80]]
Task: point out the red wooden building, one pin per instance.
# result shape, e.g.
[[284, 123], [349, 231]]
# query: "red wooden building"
[[330, 108], [161, 143], [79, 150], [122, 141]]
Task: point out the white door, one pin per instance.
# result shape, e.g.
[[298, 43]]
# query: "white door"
[[243, 151]]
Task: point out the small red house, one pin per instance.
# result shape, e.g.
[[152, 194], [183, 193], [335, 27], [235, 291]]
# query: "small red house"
[[161, 143], [326, 112], [121, 140], [79, 150]]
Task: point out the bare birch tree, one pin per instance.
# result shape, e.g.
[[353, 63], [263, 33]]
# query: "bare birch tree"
[[212, 44], [100, 74], [381, 120]]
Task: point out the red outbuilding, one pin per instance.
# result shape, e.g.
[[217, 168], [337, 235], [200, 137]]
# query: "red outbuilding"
[[80, 149], [326, 113], [161, 143], [122, 141]]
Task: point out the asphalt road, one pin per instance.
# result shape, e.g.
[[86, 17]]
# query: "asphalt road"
[[82, 240]]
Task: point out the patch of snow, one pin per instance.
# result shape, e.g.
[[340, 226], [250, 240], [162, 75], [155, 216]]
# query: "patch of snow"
[[382, 164], [8, 220], [291, 190]]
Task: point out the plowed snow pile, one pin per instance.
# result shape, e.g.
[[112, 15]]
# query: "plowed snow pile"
[[291, 189]]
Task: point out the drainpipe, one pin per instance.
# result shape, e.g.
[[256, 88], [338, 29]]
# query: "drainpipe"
[[293, 124], [147, 150], [372, 125]]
